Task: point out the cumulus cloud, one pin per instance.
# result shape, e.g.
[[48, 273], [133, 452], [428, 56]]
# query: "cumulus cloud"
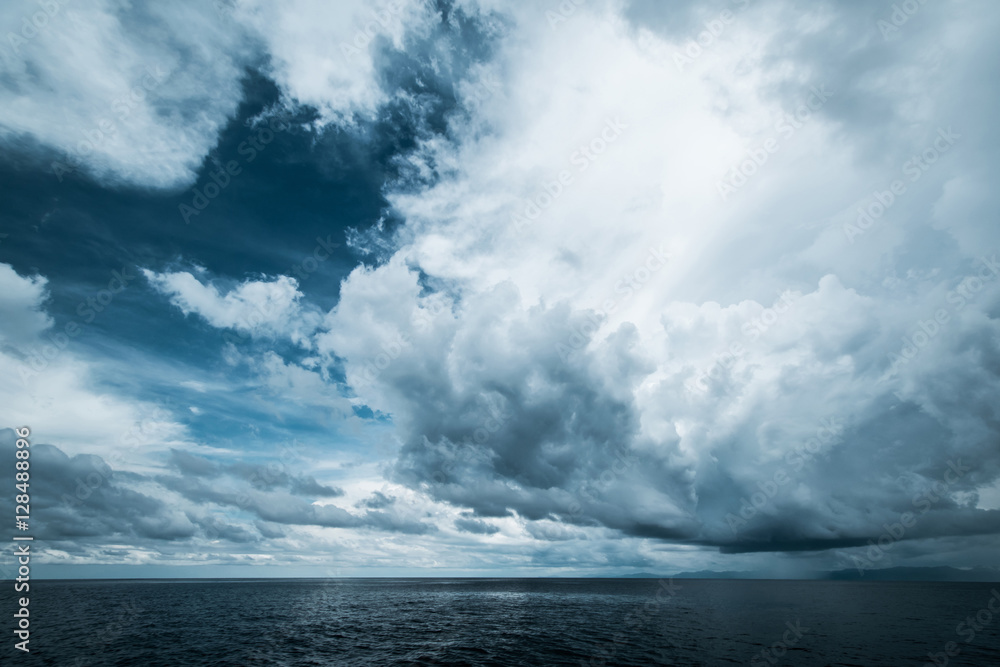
[[255, 307], [152, 87], [326, 56], [82, 496], [145, 109]]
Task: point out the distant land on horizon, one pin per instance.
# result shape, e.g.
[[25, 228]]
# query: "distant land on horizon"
[[938, 573]]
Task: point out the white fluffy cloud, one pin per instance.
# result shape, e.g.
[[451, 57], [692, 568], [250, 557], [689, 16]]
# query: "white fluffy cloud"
[[137, 94], [54, 391], [99, 83], [257, 307], [324, 54]]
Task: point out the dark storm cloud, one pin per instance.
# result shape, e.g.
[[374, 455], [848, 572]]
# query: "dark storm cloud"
[[551, 433], [308, 486], [83, 497], [271, 504], [377, 501], [394, 522], [214, 528], [190, 464], [535, 432], [276, 507], [260, 476], [269, 530], [541, 440], [476, 526]]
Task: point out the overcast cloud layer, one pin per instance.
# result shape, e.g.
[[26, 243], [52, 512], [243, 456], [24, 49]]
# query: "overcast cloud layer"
[[471, 287]]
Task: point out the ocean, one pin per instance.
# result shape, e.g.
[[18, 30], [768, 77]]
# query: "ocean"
[[176, 623]]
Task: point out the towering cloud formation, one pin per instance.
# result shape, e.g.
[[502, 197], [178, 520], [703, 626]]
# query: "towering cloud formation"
[[571, 378]]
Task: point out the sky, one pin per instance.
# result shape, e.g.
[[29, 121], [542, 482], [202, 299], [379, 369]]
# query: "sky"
[[485, 288]]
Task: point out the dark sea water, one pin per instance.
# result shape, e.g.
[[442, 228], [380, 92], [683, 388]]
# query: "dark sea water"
[[503, 622]]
